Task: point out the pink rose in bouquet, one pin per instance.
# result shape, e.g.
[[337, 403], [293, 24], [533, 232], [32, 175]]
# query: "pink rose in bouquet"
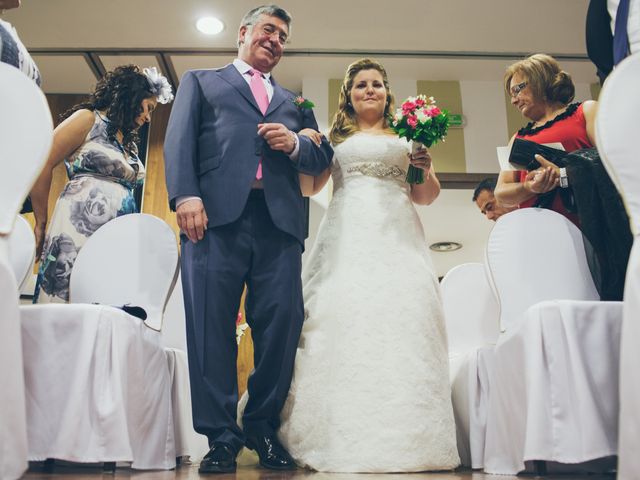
[[419, 119]]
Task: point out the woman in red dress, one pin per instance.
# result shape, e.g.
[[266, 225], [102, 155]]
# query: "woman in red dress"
[[543, 93]]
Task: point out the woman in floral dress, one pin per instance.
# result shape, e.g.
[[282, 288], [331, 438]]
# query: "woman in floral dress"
[[97, 142]]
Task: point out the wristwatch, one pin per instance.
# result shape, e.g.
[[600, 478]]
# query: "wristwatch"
[[564, 181]]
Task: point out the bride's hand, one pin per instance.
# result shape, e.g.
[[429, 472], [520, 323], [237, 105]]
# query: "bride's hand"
[[316, 137], [421, 159]]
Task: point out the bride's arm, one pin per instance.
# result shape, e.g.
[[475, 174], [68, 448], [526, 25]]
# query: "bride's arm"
[[425, 193], [311, 185]]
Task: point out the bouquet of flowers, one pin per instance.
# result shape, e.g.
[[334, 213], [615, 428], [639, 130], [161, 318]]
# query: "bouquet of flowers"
[[419, 119]]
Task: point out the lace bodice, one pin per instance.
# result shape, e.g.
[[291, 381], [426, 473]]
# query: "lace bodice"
[[372, 155]]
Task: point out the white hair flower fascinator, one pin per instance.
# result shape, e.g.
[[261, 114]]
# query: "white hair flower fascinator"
[[160, 86]]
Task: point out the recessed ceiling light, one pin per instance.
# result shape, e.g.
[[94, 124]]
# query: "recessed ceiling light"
[[209, 25], [445, 246]]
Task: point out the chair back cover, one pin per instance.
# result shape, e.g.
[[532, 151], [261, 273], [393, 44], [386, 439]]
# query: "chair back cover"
[[616, 129], [26, 132], [133, 260], [535, 254], [22, 250], [174, 330], [470, 308]]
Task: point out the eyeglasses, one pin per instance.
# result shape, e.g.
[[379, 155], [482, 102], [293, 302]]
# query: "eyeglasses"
[[516, 89], [269, 30]]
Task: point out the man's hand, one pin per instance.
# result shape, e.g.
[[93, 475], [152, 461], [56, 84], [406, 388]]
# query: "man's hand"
[[192, 219], [278, 137]]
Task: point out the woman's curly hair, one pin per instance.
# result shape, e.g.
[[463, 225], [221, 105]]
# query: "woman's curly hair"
[[119, 94]]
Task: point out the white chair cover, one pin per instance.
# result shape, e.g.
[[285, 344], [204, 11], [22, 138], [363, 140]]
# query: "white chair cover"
[[554, 379], [522, 250], [26, 131], [472, 317], [174, 338], [22, 250], [13, 431], [188, 442], [98, 387], [144, 269], [616, 127], [25, 138]]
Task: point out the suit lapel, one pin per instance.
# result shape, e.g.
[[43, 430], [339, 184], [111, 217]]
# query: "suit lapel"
[[232, 76], [279, 96]]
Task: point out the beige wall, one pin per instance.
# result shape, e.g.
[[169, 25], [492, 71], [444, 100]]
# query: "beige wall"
[[449, 156]]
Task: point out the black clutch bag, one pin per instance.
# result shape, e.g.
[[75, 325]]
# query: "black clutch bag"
[[523, 154]]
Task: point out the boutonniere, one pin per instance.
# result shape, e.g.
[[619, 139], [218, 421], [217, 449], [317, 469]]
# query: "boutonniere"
[[302, 102]]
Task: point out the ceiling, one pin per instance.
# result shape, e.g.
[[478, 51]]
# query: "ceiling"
[[74, 41]]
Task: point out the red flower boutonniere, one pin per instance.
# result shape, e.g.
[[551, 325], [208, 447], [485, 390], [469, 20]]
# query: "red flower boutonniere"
[[302, 102]]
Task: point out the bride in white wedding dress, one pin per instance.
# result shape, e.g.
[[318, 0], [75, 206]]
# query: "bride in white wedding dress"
[[370, 390]]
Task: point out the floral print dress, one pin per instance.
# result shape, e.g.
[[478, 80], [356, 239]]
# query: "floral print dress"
[[100, 188]]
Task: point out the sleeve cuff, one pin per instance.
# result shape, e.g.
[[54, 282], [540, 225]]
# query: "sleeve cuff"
[[296, 150], [185, 198]]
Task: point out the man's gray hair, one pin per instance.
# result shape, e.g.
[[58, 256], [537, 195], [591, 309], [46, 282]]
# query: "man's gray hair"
[[272, 10]]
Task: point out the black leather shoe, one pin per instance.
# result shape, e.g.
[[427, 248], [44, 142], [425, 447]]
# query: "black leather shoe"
[[220, 459], [272, 454]]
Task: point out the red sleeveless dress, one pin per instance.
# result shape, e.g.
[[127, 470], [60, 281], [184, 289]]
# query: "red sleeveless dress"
[[570, 129]]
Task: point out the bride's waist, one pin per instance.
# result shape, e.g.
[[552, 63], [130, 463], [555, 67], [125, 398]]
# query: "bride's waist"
[[378, 170]]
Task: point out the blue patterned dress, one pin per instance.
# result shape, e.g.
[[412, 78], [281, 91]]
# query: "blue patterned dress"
[[100, 188]]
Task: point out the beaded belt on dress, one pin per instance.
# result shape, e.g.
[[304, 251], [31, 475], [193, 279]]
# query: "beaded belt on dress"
[[377, 169]]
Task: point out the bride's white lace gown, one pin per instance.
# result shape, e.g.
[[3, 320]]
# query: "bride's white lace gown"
[[370, 391]]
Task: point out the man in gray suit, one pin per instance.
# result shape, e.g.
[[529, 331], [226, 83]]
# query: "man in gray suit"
[[232, 162]]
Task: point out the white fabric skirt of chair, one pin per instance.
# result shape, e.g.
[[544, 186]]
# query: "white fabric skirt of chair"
[[13, 426], [470, 397], [97, 386], [629, 448], [188, 442], [174, 338], [472, 330], [554, 387]]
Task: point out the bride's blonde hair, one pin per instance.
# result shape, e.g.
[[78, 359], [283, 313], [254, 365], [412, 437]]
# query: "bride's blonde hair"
[[344, 122]]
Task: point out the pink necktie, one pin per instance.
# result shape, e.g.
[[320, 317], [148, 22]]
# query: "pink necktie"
[[260, 94]]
